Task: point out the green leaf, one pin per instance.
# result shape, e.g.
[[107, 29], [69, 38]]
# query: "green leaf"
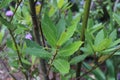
[[96, 27], [66, 6], [52, 11], [77, 59], [26, 61], [97, 72], [107, 51], [103, 45], [69, 17], [67, 34], [115, 43], [60, 27], [90, 23], [33, 59], [38, 52], [70, 49], [10, 44], [99, 37], [60, 3], [63, 78], [20, 29], [117, 18], [1, 36], [32, 44], [49, 31], [14, 64], [89, 38], [62, 66], [6, 23], [87, 50], [4, 3], [110, 69], [113, 35]]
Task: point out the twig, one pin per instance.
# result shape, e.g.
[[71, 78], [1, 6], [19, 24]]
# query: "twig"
[[96, 66], [15, 10], [51, 61], [13, 35]]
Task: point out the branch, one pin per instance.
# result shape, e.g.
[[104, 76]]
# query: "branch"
[[96, 66]]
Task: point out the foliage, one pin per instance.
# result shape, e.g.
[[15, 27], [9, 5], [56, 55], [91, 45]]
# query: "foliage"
[[55, 43]]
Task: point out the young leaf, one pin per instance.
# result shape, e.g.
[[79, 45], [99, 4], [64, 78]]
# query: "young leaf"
[[66, 6], [52, 11], [68, 32], [99, 37], [115, 43], [38, 52], [49, 30], [102, 45], [62, 66], [26, 61], [77, 59], [70, 49], [60, 3]]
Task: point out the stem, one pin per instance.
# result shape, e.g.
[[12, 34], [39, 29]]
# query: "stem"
[[82, 36], [41, 32], [85, 19], [15, 10], [18, 52], [51, 61], [36, 29], [13, 38], [35, 22], [96, 66]]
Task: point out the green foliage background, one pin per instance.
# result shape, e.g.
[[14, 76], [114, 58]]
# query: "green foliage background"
[[56, 43]]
